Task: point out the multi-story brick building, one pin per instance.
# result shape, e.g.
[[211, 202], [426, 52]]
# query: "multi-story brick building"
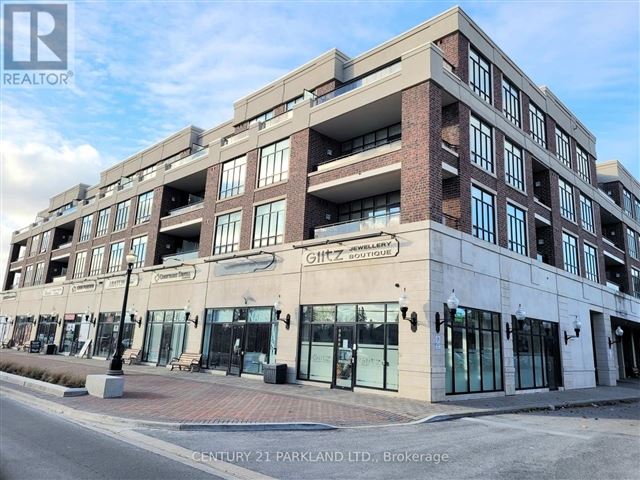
[[344, 190]]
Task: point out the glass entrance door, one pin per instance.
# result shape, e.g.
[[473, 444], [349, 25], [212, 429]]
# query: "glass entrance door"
[[552, 357], [345, 359], [165, 344], [237, 350], [70, 335]]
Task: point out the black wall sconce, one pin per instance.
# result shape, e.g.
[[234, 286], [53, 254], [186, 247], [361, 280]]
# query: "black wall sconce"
[[187, 315], [577, 325], [619, 332], [88, 317], [452, 304], [135, 320], [403, 301], [10, 320], [507, 330], [277, 307], [33, 318]]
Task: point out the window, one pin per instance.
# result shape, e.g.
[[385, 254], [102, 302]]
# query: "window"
[[274, 163], [584, 169], [262, 118], [480, 75], [115, 259], [294, 102], [97, 257], [635, 282], [370, 207], [627, 204], [139, 248], [78, 266], [38, 279], [28, 275], [632, 244], [103, 222], [516, 229], [269, 225], [145, 202], [482, 208], [227, 233], [563, 151], [122, 215], [567, 209], [537, 125], [44, 244], [591, 263], [85, 228], [35, 243], [372, 140], [233, 175], [473, 351], [536, 354], [586, 213], [513, 169], [570, 253], [511, 102], [637, 208], [481, 144]]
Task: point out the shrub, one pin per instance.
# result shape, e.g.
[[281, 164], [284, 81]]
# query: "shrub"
[[42, 374]]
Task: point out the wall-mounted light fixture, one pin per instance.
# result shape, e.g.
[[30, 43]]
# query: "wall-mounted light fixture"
[[403, 302], [507, 330], [10, 320], [33, 318], [277, 307], [452, 305], [619, 332], [187, 315], [88, 317], [521, 316], [577, 325], [134, 317], [55, 317]]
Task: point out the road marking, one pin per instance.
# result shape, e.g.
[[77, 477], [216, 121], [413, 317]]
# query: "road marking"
[[513, 425]]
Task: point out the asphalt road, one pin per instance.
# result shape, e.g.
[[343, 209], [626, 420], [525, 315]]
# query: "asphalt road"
[[594, 443], [34, 444]]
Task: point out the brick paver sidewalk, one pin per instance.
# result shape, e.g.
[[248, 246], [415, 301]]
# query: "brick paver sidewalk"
[[157, 394]]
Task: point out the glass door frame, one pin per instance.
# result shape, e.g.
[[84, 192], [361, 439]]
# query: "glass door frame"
[[149, 330], [336, 354]]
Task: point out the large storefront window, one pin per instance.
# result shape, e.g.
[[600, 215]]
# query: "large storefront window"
[[240, 340], [46, 332], [473, 351], [75, 333], [536, 353], [22, 330], [166, 336], [350, 345], [108, 324]]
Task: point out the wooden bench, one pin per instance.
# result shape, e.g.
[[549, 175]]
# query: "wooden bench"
[[131, 356], [190, 361]]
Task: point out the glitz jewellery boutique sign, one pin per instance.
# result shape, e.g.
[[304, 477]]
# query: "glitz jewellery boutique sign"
[[353, 253]]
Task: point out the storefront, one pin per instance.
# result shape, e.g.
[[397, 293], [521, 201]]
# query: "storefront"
[[75, 333], [46, 332], [240, 340], [22, 330], [165, 336], [473, 351], [107, 336], [4, 329], [350, 345], [536, 354]]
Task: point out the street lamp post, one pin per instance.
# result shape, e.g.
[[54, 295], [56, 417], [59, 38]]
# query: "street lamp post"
[[115, 368]]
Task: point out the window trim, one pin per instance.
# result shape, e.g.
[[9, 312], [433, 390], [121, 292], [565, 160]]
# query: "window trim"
[[215, 231], [255, 216], [525, 222], [508, 115], [494, 219], [589, 275], [486, 96], [491, 144], [568, 192], [523, 180], [538, 113], [286, 172], [577, 254]]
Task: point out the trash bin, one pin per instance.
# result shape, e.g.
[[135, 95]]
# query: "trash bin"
[[275, 373], [50, 349]]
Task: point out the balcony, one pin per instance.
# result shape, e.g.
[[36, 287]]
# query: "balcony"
[[376, 149], [361, 82], [198, 151], [275, 120], [64, 245], [67, 211], [180, 256], [236, 137], [187, 208], [59, 279], [356, 226]]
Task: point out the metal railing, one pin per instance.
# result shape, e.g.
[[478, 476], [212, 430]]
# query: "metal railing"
[[361, 82], [236, 137], [199, 152], [180, 256], [64, 245], [450, 146], [355, 226], [275, 120], [186, 208], [373, 146]]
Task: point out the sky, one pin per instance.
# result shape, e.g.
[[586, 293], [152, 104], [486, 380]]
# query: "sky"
[[143, 70]]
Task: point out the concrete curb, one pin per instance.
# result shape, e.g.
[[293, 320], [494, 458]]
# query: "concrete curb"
[[97, 418], [50, 388]]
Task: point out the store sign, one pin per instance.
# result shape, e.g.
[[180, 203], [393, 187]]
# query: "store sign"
[[69, 317], [174, 275], [52, 291], [83, 287], [353, 253], [119, 282]]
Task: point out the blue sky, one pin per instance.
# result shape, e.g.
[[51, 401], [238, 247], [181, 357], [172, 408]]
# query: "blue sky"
[[146, 69]]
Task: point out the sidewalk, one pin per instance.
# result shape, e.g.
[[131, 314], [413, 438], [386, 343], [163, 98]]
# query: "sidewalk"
[[157, 395]]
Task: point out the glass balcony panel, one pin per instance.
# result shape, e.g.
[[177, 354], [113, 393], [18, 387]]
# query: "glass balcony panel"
[[361, 225]]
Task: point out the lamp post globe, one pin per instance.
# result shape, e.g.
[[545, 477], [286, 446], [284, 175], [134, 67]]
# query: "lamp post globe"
[[619, 332], [452, 303], [115, 367]]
